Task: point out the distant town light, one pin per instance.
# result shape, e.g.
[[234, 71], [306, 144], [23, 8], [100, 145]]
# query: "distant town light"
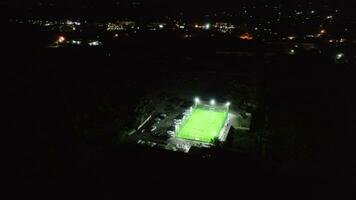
[[246, 36], [339, 56], [61, 39], [94, 43], [161, 26], [207, 26]]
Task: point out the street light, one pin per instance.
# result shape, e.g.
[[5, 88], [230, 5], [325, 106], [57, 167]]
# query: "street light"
[[228, 106], [207, 26], [339, 56], [197, 101]]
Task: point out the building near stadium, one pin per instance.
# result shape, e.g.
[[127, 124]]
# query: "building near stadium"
[[205, 122]]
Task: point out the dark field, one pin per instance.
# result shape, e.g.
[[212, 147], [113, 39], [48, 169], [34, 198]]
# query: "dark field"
[[67, 108]]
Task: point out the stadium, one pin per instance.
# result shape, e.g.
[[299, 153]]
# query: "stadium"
[[205, 122]]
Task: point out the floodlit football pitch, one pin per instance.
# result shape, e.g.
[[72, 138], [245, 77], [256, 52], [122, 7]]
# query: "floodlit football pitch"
[[203, 125]]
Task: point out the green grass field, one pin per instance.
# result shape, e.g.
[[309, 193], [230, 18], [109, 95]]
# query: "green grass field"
[[203, 125]]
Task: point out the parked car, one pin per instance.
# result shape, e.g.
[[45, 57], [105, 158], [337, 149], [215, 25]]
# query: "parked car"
[[163, 116], [153, 128], [171, 133], [180, 116], [186, 104], [177, 121], [187, 112], [163, 136], [171, 128]]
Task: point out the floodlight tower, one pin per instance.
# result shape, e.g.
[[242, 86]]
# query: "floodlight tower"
[[196, 101], [212, 102], [228, 106]]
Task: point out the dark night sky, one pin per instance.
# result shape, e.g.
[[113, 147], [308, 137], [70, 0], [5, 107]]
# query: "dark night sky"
[[148, 7], [181, 3]]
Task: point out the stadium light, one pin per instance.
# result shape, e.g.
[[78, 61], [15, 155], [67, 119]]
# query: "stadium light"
[[212, 102]]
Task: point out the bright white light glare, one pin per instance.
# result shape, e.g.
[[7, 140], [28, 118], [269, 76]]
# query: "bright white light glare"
[[161, 26], [94, 43], [339, 56], [76, 42], [197, 100], [207, 26], [228, 104], [212, 102]]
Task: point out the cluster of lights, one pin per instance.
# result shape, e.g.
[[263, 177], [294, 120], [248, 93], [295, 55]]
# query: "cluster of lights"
[[206, 26], [342, 40], [114, 27], [61, 39], [246, 36], [77, 42], [94, 43], [212, 102]]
